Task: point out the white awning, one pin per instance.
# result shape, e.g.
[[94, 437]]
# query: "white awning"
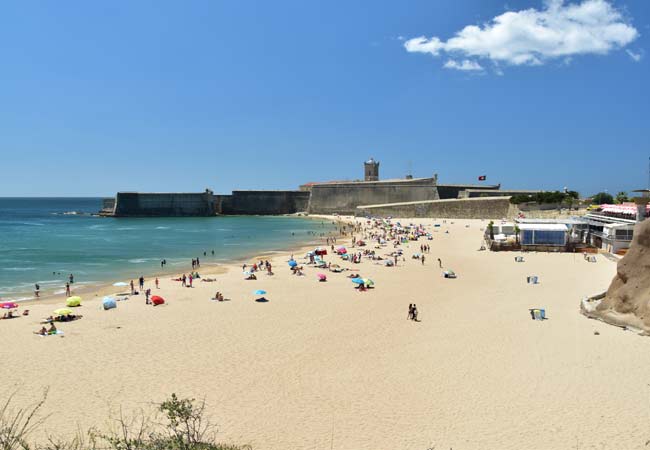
[[543, 226]]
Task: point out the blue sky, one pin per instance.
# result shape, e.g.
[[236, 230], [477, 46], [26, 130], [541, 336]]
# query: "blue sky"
[[102, 96]]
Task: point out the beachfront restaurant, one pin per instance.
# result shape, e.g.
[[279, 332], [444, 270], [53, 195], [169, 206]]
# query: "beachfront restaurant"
[[549, 236]]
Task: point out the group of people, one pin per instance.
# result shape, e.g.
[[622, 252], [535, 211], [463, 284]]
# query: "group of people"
[[47, 331]]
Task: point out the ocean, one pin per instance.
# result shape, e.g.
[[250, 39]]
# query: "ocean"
[[44, 240]]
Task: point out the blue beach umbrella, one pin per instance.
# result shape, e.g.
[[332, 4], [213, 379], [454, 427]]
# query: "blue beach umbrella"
[[292, 263], [260, 292], [357, 280]]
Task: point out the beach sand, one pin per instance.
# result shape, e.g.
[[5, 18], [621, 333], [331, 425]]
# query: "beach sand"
[[322, 366]]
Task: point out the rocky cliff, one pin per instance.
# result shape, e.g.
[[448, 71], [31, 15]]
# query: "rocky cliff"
[[627, 301]]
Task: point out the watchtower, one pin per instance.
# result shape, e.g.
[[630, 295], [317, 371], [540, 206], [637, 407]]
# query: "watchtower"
[[371, 170]]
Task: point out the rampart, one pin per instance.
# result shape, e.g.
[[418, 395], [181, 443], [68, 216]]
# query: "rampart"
[[262, 202], [344, 197], [134, 204], [450, 191], [469, 208]]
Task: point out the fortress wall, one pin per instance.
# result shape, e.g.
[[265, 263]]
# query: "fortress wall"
[[452, 191], [264, 202], [343, 198], [164, 204], [470, 208]]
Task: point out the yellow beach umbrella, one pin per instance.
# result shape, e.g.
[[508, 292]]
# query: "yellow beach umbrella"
[[73, 301], [62, 311]]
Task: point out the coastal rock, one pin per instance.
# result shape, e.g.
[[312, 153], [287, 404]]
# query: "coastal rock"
[[627, 301]]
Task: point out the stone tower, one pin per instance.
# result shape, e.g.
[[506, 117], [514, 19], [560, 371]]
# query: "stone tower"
[[371, 170]]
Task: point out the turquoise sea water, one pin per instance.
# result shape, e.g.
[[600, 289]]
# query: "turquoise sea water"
[[40, 243]]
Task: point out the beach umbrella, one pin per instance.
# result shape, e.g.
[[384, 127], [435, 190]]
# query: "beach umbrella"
[[109, 303], [368, 282], [157, 300], [8, 305], [73, 301], [292, 263], [120, 284], [341, 250], [357, 280], [260, 292], [62, 311], [321, 276]]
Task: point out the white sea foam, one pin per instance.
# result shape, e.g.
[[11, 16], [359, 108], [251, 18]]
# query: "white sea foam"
[[18, 269], [162, 228]]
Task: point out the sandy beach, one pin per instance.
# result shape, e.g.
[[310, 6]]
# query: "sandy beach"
[[322, 366]]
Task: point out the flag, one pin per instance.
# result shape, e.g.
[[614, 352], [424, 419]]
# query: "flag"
[[482, 177]]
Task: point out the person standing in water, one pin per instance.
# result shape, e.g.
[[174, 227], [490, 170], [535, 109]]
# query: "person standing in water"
[[37, 290]]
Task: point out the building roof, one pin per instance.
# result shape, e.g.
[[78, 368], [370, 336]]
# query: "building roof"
[[543, 226]]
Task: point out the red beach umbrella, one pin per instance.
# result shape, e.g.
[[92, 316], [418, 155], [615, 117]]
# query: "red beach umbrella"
[[8, 305], [157, 300]]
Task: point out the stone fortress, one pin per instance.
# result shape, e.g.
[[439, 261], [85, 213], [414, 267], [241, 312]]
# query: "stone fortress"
[[415, 197]]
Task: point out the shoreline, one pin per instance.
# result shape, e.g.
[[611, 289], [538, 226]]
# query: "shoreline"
[[99, 290], [88, 288]]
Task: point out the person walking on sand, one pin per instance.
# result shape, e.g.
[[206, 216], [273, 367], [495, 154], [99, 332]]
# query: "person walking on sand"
[[157, 287], [190, 279], [67, 290], [422, 259], [183, 280], [147, 293], [410, 315], [141, 282], [132, 288], [440, 262], [414, 316]]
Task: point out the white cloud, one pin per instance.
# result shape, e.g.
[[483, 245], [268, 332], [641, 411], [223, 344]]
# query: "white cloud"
[[635, 56], [465, 65], [532, 37]]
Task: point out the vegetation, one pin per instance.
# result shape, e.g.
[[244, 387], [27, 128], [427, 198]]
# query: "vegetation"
[[178, 424], [517, 230], [602, 198], [546, 197], [622, 197]]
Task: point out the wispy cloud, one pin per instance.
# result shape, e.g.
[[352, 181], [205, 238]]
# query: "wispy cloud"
[[465, 65], [635, 56], [532, 37]]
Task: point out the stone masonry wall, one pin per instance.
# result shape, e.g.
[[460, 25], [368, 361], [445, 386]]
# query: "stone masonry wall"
[[343, 198], [470, 208]]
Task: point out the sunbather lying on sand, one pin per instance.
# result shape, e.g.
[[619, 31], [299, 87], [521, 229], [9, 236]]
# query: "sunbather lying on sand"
[[208, 280], [41, 332]]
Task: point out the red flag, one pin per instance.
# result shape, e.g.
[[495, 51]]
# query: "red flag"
[[482, 177]]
